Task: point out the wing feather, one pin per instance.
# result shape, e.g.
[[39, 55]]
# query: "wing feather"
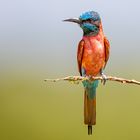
[[107, 50], [80, 55]]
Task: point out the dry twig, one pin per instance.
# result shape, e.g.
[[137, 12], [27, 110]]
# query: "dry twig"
[[77, 79]]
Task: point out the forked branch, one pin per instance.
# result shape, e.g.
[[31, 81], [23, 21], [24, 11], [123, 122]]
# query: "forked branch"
[[77, 79]]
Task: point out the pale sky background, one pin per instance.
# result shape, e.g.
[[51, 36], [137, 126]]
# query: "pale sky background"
[[34, 38]]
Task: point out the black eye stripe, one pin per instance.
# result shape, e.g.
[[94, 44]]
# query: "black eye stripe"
[[88, 20]]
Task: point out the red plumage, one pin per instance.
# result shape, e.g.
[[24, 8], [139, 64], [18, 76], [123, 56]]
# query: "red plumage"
[[92, 55]]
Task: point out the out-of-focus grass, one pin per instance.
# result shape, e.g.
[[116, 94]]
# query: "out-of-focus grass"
[[31, 109]]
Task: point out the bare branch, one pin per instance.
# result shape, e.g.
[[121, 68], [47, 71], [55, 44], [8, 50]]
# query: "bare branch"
[[77, 79]]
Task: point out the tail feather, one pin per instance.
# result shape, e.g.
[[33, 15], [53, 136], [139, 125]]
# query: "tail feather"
[[89, 111], [90, 104], [89, 129]]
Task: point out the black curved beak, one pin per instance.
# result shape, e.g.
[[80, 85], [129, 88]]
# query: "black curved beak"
[[73, 20]]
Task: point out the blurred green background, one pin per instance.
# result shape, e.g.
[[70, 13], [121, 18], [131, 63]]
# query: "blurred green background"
[[35, 44]]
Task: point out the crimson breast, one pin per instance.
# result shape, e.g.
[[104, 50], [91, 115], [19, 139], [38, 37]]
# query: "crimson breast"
[[93, 55]]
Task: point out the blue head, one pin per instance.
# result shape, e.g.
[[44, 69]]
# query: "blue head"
[[89, 22]]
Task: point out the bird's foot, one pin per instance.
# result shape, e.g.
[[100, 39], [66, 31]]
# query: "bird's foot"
[[104, 78]]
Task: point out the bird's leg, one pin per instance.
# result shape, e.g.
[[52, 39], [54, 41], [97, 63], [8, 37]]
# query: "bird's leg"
[[103, 76]]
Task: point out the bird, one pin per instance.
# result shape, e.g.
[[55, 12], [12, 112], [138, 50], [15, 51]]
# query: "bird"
[[92, 56]]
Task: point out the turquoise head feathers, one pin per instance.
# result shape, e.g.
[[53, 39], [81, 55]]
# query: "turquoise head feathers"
[[89, 22], [90, 15]]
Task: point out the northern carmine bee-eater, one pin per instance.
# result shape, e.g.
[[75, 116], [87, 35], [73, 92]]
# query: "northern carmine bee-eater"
[[92, 56]]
